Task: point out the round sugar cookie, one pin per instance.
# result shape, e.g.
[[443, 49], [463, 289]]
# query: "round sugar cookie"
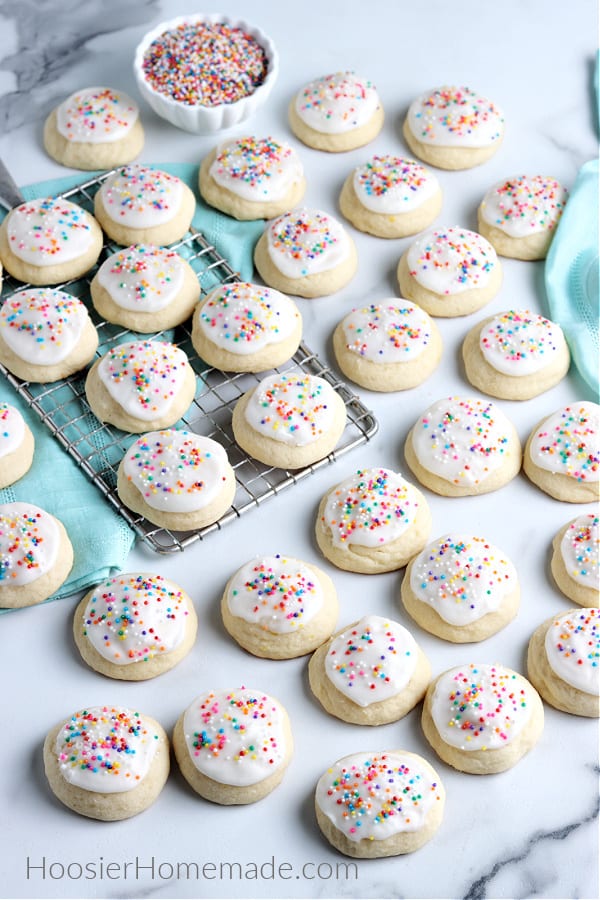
[[462, 446], [289, 420], [519, 216], [562, 661], [233, 746], [370, 673], [450, 272], [49, 241], [575, 562], [141, 386], [134, 626], [36, 555], [482, 719], [107, 762], [562, 453], [145, 288], [140, 205], [306, 252], [336, 112], [391, 197], [461, 588], [279, 607], [252, 178], [515, 355], [392, 345], [362, 820], [176, 479], [244, 327], [453, 127], [373, 521], [94, 128], [17, 445]]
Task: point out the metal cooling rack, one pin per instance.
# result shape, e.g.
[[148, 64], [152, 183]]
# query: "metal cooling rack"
[[98, 448]]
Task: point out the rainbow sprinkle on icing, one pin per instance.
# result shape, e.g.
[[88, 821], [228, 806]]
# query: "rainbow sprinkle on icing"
[[524, 205], [573, 649], [567, 442], [455, 116]]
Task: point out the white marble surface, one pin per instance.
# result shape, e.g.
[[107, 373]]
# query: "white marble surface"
[[530, 832]]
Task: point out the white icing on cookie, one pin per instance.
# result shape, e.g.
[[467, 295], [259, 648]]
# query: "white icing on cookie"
[[518, 342], [452, 116], [451, 260], [391, 185], [29, 543], [176, 471], [580, 551], [278, 593], [462, 578], [106, 749], [524, 205], [245, 318], [42, 325], [256, 169], [567, 443], [395, 331], [96, 115], [306, 241], [573, 649], [142, 278], [294, 409], [337, 103], [49, 231], [12, 429], [236, 737], [140, 197]]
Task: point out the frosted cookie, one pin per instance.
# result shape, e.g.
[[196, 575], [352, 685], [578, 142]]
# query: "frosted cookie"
[[562, 661], [17, 445], [176, 479], [94, 128], [107, 762], [450, 272], [389, 346], [391, 197], [575, 560], [562, 453], [370, 673], [337, 112], [453, 127], [463, 446], [233, 747], [243, 327], [140, 205], [49, 241], [461, 588], [374, 521], [515, 355], [519, 216], [386, 803], [36, 555], [482, 719], [135, 626], [290, 420], [45, 335], [252, 178], [279, 607], [306, 252], [141, 386], [145, 289]]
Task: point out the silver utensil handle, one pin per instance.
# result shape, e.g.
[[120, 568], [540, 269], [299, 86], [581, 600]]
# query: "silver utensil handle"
[[10, 195]]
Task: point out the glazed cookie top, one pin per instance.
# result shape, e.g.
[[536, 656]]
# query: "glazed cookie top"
[[391, 185], [142, 278], [49, 231], [305, 242], [236, 737], [462, 439], [451, 260], [580, 550], [524, 205], [245, 318], [480, 707], [372, 660], [134, 618], [256, 169], [518, 342], [106, 749], [42, 325], [337, 103], [294, 409], [373, 796], [395, 331], [29, 543], [176, 471], [12, 429], [278, 593], [566, 442], [573, 649], [96, 115], [462, 578], [451, 116], [140, 197]]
